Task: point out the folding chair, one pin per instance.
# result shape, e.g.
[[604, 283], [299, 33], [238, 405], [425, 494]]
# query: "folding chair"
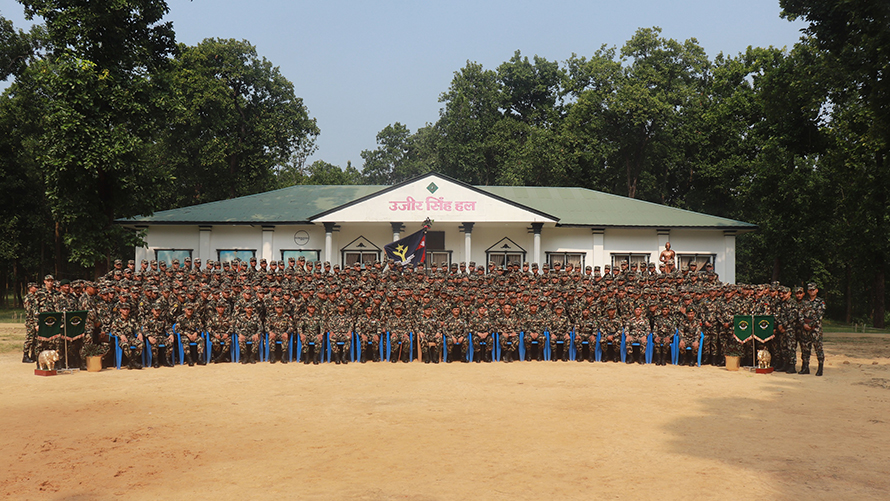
[[701, 344], [650, 349]]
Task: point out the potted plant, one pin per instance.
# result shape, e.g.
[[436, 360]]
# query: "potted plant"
[[94, 354], [734, 352]]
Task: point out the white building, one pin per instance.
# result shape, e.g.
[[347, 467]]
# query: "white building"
[[343, 224]]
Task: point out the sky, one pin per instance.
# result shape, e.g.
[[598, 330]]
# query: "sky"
[[362, 65]]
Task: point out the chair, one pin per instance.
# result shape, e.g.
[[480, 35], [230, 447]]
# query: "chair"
[[444, 348], [547, 350], [339, 343], [701, 344], [235, 351], [624, 346], [118, 352], [598, 349], [650, 349], [470, 349], [675, 348]]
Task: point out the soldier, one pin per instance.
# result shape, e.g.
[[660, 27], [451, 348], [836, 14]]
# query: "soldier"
[[249, 329], [429, 331], [610, 334], [190, 328], [368, 327], [158, 332], [794, 331], [31, 317], [279, 327], [455, 328], [399, 326], [339, 327], [129, 336], [508, 327], [560, 329], [479, 326], [637, 332], [533, 325], [220, 329], [811, 311], [663, 328], [689, 335]]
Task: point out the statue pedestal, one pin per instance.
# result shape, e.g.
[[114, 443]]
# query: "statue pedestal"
[[38, 372], [768, 370]]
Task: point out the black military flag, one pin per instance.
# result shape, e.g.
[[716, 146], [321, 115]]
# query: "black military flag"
[[409, 250]]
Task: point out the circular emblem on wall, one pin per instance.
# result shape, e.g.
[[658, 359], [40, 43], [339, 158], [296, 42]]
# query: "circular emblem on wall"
[[301, 237]]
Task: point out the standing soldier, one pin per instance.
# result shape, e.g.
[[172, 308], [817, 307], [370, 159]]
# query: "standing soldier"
[[811, 312], [31, 316]]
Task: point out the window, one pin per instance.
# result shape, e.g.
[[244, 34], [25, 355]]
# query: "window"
[[701, 260], [631, 258], [504, 252], [435, 240], [169, 255], [360, 250], [561, 258], [229, 255], [309, 255], [437, 257]]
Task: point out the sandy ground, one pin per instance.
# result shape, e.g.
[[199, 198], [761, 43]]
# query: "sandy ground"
[[423, 432]]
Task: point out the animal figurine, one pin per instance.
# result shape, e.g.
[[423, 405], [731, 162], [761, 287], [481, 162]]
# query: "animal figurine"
[[763, 359], [47, 359]]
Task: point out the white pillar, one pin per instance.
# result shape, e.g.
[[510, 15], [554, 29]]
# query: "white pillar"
[[396, 231], [536, 250], [467, 228], [266, 251], [204, 244], [599, 240], [727, 270], [328, 240]]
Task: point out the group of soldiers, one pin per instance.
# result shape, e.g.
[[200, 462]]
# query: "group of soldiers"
[[226, 308]]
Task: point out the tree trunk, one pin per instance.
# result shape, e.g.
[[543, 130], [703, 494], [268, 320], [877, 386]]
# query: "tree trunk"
[[58, 250], [848, 295], [777, 269], [878, 318]]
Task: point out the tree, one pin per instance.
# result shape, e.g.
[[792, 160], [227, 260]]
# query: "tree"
[[400, 156], [89, 94], [854, 41], [233, 121]]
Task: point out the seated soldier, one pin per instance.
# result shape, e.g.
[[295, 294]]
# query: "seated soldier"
[[690, 329], [480, 331], [508, 333], [190, 328], [399, 326], [279, 327], [249, 328], [430, 335], [663, 330], [456, 334], [610, 334], [533, 327], [585, 331], [220, 328], [129, 336], [368, 328], [560, 330], [637, 332]]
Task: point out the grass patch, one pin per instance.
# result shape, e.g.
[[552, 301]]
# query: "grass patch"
[[835, 326], [12, 337], [12, 315]]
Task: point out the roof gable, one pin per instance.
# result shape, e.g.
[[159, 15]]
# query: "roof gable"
[[437, 197]]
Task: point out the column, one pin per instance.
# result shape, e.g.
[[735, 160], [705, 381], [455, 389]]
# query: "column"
[[664, 236], [397, 230], [599, 254], [467, 228], [142, 250], [328, 240], [266, 251], [727, 270], [536, 249], [204, 244]]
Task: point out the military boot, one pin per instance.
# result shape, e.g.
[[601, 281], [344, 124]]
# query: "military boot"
[[790, 368], [804, 367], [284, 356], [345, 356], [819, 370], [434, 354]]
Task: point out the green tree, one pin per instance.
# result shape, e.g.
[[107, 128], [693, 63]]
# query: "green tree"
[[400, 155], [854, 40], [233, 121], [89, 96]]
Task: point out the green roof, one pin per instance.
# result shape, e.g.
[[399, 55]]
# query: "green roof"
[[569, 206], [580, 206]]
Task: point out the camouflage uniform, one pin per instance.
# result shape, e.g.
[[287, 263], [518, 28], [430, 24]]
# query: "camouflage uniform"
[[339, 327], [811, 312], [248, 329], [279, 328]]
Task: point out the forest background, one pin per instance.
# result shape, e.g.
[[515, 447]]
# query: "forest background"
[[107, 117]]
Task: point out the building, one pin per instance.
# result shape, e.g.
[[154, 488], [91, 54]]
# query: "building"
[[344, 224]]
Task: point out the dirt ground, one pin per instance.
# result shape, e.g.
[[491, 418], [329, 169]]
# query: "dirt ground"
[[458, 431]]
